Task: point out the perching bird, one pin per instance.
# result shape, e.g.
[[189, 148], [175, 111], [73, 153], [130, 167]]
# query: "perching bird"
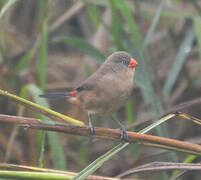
[[106, 90]]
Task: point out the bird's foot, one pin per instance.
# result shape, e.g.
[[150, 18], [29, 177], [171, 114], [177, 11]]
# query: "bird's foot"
[[91, 127], [123, 135], [92, 130]]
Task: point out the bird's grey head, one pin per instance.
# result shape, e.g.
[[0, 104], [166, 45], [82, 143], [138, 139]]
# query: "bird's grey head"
[[121, 60]]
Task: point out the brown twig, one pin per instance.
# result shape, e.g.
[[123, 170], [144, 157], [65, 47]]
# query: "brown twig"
[[162, 166], [182, 106], [66, 16], [109, 134]]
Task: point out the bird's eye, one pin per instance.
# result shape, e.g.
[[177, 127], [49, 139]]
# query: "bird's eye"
[[124, 62]]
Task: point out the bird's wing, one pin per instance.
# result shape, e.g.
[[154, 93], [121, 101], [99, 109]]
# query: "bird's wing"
[[86, 86]]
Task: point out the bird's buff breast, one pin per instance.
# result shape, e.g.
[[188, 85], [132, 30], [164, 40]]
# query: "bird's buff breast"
[[110, 95]]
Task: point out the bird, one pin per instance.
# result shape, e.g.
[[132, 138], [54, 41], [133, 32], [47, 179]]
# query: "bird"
[[106, 90]]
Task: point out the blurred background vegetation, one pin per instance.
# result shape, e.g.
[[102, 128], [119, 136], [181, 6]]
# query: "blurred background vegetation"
[[54, 45]]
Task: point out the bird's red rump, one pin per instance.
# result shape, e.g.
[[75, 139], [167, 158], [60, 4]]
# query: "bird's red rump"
[[73, 93], [133, 63]]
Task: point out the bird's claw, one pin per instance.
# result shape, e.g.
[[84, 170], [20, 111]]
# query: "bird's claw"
[[123, 135], [92, 130]]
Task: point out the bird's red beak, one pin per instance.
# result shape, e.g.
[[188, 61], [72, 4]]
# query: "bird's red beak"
[[133, 63]]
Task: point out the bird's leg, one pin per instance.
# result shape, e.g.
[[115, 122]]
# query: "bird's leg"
[[123, 133], [92, 130]]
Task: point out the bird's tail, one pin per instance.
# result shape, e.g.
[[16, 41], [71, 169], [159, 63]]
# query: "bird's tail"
[[59, 95]]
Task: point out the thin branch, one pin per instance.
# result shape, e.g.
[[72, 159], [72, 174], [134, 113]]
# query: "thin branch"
[[66, 16], [162, 166], [109, 134], [183, 105]]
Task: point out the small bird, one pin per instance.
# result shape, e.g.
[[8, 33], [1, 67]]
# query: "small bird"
[[106, 90]]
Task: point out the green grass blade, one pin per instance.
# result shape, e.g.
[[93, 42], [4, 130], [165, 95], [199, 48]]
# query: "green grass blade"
[[197, 29], [34, 91], [116, 26], [57, 151], [83, 46], [33, 175], [157, 123], [179, 61], [108, 155], [24, 93], [41, 140], [93, 13], [6, 7], [129, 112], [43, 56], [127, 14], [23, 62], [156, 19], [189, 159], [99, 162]]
